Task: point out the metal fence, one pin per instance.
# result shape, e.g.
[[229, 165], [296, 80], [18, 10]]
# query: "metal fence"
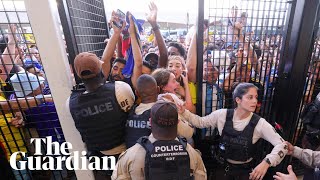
[[310, 91], [263, 29], [84, 25], [255, 41], [25, 94]]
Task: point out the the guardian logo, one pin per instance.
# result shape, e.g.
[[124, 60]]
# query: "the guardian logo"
[[61, 155]]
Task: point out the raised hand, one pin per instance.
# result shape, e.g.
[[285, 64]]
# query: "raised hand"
[[132, 26], [152, 16], [180, 108]]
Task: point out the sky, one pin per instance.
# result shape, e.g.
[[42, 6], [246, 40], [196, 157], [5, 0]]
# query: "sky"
[[168, 10], [176, 10]]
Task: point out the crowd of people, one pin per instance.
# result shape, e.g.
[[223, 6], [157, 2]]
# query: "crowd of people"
[[138, 101], [26, 104]]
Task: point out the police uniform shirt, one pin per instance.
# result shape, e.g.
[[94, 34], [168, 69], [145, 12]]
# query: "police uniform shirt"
[[263, 130], [307, 156], [131, 163], [125, 98]]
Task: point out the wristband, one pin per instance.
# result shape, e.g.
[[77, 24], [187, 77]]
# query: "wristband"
[[267, 160], [154, 28]]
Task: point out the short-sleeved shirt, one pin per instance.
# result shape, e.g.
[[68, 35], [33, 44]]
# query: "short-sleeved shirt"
[[131, 163]]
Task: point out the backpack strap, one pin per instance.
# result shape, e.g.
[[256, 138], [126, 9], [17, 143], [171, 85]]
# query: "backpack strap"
[[228, 122], [254, 120], [145, 143], [132, 110], [248, 131], [230, 113]]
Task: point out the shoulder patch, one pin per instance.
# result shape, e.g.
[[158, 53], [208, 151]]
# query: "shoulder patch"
[[281, 154]]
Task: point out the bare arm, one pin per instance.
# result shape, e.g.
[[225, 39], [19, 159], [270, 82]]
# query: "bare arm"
[[188, 100], [152, 19], [23, 103], [119, 48], [252, 56], [137, 70], [192, 60], [231, 77], [111, 46], [8, 55]]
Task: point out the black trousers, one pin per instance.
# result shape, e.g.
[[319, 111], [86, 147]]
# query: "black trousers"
[[232, 172]]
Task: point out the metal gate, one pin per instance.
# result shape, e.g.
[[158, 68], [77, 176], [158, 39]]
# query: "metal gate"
[[278, 36], [25, 94], [84, 26]]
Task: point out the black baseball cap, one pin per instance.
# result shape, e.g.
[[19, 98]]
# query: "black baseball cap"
[[164, 114], [152, 60]]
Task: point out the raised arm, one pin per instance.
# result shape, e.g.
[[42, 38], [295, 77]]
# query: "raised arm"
[[152, 19], [8, 55], [252, 56], [119, 48], [231, 77], [192, 60], [188, 100], [111, 46], [137, 70]]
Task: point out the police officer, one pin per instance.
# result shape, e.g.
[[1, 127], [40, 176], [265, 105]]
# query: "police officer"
[[240, 129], [311, 121], [307, 156], [100, 110], [161, 155], [138, 123]]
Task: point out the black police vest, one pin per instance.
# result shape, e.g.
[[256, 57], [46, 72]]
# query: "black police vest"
[[137, 126], [98, 117], [166, 160], [238, 144]]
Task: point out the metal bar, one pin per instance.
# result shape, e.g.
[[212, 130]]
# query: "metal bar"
[[200, 30], [292, 72]]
